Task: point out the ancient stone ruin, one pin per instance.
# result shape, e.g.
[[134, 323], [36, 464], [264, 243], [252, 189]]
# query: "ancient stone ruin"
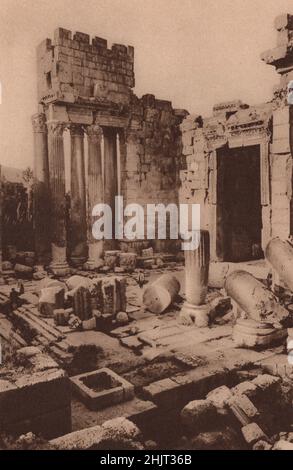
[[133, 343]]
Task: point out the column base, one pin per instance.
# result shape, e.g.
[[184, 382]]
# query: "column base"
[[59, 265], [197, 315], [60, 269], [95, 256]]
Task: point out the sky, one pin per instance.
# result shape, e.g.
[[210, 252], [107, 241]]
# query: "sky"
[[193, 52]]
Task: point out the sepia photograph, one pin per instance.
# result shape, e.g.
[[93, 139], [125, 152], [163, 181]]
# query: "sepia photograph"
[[146, 228]]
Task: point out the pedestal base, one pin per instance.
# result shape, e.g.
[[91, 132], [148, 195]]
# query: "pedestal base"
[[60, 269], [250, 334], [197, 315], [95, 256]]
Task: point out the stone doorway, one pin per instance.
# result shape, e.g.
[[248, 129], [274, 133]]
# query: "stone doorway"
[[239, 214]]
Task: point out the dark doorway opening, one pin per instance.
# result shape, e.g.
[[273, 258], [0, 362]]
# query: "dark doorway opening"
[[239, 215]]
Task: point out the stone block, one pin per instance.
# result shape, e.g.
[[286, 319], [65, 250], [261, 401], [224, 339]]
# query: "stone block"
[[35, 394], [51, 298], [281, 116], [245, 388], [102, 388], [267, 382], [253, 433], [245, 405], [220, 396], [128, 261], [198, 415]]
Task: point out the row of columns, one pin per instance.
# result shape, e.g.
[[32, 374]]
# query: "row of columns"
[[49, 190]]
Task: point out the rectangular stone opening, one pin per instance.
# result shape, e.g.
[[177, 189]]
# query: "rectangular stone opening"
[[239, 211], [100, 381]]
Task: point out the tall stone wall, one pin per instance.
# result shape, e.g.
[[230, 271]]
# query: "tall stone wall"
[[153, 149], [86, 87], [71, 66]]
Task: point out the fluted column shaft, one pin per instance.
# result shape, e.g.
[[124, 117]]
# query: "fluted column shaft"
[[197, 261], [57, 197], [95, 191], [78, 217], [41, 189], [110, 176], [197, 270]]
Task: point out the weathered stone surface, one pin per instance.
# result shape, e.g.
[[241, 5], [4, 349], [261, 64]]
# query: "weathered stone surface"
[[128, 261], [161, 293], [28, 351], [220, 396], [61, 316], [254, 298], [21, 269], [118, 431], [51, 298], [198, 414], [283, 445], [122, 318], [78, 281], [110, 294], [253, 433], [81, 301]]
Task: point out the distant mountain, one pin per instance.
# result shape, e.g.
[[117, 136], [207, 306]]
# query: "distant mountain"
[[13, 175]]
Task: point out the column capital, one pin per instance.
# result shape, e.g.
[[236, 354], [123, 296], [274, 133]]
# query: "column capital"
[[56, 128], [39, 123], [94, 132], [76, 130]]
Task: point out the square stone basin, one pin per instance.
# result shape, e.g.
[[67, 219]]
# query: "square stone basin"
[[101, 388]]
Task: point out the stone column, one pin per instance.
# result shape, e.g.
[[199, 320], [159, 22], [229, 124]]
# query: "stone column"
[[41, 190], [78, 222], [59, 263], [196, 282], [110, 177], [95, 192]]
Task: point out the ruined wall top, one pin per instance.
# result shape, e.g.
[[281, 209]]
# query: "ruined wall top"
[[72, 68], [281, 56]]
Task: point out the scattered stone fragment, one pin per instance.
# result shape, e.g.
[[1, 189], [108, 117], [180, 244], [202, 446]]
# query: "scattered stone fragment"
[[51, 298], [77, 281], [242, 403], [74, 322], [254, 298], [89, 324], [81, 301], [198, 414], [61, 316], [283, 445], [7, 266], [267, 382], [128, 261], [253, 433], [245, 388], [262, 445], [111, 258], [220, 396], [122, 318], [161, 293], [23, 271], [28, 351]]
